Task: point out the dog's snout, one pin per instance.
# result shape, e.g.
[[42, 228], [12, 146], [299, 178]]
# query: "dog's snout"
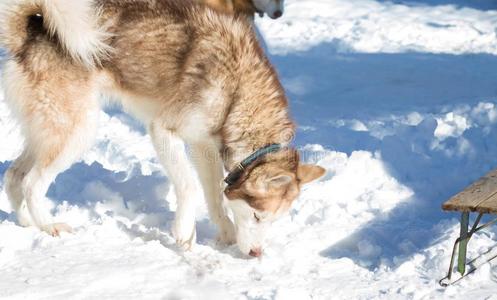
[[277, 14], [256, 252]]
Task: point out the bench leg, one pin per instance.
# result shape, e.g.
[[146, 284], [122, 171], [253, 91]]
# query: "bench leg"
[[463, 245]]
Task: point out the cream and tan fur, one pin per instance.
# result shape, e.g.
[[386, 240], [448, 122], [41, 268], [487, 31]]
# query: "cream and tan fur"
[[189, 74], [272, 8]]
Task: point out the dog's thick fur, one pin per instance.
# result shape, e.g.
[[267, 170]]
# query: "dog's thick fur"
[[188, 73], [272, 8]]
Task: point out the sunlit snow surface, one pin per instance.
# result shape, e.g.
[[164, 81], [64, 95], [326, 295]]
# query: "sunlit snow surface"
[[397, 100]]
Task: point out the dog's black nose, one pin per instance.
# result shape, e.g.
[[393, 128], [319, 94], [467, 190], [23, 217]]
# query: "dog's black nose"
[[277, 14]]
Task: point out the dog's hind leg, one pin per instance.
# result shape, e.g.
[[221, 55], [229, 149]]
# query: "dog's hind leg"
[[58, 118], [62, 144], [172, 154], [52, 155], [207, 160]]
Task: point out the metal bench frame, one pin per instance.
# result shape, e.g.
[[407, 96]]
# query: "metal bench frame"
[[462, 242]]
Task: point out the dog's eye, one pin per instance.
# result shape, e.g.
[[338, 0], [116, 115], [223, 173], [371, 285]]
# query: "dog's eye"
[[257, 218]]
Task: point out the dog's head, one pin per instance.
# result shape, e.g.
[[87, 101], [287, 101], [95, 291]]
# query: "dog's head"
[[273, 8], [264, 193]]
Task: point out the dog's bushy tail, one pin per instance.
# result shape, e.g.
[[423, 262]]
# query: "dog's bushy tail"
[[72, 23]]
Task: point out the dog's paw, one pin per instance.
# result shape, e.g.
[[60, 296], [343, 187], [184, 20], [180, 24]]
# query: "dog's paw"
[[185, 234], [56, 229], [227, 234]]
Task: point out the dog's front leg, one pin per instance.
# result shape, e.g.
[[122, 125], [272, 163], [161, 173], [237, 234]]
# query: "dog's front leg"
[[207, 159], [172, 154]]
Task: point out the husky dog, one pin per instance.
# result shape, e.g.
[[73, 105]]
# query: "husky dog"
[[189, 74], [273, 8]]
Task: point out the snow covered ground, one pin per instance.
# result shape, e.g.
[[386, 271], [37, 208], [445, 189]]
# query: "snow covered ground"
[[396, 99]]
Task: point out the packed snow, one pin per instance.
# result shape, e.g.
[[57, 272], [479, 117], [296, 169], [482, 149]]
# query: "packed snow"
[[396, 99]]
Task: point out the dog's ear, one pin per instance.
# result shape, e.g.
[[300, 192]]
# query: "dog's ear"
[[308, 173], [279, 180], [270, 184], [259, 188]]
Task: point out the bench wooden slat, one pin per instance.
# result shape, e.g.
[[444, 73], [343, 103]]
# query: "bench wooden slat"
[[481, 196], [488, 206]]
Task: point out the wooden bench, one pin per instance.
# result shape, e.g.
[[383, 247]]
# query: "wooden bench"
[[480, 198]]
